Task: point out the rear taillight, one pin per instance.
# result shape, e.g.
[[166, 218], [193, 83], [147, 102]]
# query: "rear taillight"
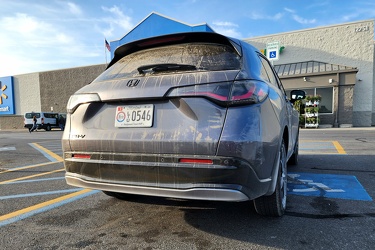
[[226, 93], [78, 99]]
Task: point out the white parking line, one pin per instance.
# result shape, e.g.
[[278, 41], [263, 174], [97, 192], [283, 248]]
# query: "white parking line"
[[7, 148]]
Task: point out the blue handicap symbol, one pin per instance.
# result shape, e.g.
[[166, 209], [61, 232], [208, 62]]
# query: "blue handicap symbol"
[[327, 185], [273, 54]]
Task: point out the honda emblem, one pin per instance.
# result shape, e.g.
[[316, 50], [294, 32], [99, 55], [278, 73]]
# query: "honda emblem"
[[133, 82]]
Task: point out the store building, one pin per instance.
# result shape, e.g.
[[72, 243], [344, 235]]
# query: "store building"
[[335, 62], [41, 91]]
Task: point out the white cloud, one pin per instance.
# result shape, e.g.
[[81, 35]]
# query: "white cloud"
[[289, 10], [20, 23], [357, 12], [62, 38], [318, 4], [303, 20], [258, 16], [227, 29], [225, 24], [74, 9], [30, 44], [117, 21], [298, 18]]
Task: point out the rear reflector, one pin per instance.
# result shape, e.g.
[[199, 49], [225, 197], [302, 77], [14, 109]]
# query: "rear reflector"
[[198, 161], [81, 156]]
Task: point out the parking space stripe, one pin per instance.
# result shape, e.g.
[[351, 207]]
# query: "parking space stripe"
[[339, 148], [44, 206], [37, 180], [32, 176], [39, 194], [26, 167], [46, 152], [321, 147], [7, 148]]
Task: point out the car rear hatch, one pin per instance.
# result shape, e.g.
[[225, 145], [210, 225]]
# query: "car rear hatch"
[[168, 98]]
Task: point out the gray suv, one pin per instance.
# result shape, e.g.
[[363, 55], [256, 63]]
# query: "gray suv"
[[189, 115]]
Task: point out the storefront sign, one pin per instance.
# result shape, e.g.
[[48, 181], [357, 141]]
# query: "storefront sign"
[[6, 96], [273, 50]]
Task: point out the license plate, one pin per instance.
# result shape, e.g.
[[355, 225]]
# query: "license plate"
[[134, 116]]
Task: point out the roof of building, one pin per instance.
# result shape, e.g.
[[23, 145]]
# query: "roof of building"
[[310, 68]]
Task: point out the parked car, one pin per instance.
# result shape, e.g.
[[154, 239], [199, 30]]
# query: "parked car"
[[188, 115], [45, 120]]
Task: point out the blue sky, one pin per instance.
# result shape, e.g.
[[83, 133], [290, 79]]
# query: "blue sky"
[[42, 35]]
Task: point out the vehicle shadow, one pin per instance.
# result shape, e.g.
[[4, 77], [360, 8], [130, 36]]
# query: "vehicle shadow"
[[239, 220]]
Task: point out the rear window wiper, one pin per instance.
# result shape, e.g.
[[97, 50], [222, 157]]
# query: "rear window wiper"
[[166, 67]]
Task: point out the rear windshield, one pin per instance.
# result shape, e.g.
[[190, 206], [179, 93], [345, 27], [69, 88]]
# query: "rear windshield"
[[208, 57], [31, 115]]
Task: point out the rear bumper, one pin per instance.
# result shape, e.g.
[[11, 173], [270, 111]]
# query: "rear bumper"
[[227, 179], [202, 193]]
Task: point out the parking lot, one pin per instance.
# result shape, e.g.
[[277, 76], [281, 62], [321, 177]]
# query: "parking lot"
[[330, 203]]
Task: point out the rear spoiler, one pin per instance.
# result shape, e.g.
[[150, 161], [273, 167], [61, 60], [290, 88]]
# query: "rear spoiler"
[[177, 38]]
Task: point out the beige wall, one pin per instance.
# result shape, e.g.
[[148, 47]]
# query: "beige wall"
[[26, 93], [57, 86]]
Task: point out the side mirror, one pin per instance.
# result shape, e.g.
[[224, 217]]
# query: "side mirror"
[[297, 95]]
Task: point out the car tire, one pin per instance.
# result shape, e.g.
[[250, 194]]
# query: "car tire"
[[120, 196], [48, 128], [293, 160], [275, 204]]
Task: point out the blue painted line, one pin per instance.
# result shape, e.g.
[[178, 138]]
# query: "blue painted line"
[[316, 145], [315, 149], [327, 185], [35, 180], [44, 153], [46, 208], [40, 194]]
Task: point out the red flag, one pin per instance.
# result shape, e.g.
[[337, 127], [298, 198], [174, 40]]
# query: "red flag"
[[107, 45]]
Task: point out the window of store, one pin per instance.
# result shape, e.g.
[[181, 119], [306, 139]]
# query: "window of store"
[[326, 104]]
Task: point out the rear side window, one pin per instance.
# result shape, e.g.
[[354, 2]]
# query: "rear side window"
[[49, 115], [31, 115], [267, 73], [209, 57]]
